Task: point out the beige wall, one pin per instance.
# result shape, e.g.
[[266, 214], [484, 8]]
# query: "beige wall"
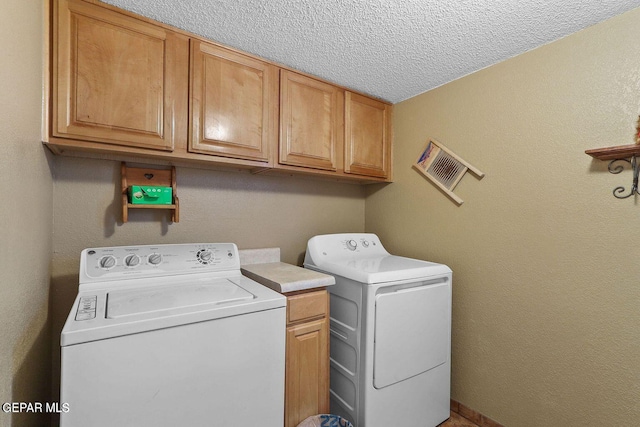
[[546, 317], [253, 211], [48, 221], [545, 280], [26, 212]]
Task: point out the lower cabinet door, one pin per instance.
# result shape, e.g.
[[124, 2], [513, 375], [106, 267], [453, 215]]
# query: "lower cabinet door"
[[307, 371]]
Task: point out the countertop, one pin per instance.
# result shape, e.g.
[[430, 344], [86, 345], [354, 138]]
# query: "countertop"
[[283, 277]]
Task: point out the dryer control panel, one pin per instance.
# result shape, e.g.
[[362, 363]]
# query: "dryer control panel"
[[346, 245], [361, 257], [362, 242], [121, 262]]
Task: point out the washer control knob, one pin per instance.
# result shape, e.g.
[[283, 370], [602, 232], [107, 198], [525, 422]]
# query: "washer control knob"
[[205, 256], [365, 243], [155, 258], [132, 260], [107, 262], [352, 245]]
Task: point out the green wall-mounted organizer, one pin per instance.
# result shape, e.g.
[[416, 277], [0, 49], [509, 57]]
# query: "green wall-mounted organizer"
[[143, 179]]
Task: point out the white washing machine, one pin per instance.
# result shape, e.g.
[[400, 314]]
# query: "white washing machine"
[[390, 332], [172, 335]]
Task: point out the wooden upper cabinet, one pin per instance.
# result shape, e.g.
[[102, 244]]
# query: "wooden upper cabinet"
[[367, 147], [123, 84], [311, 114], [114, 78], [233, 103]]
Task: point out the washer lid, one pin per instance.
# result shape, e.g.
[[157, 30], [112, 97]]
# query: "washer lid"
[[130, 302], [143, 305]]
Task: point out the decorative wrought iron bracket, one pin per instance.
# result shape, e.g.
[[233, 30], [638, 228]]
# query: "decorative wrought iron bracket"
[[618, 192]]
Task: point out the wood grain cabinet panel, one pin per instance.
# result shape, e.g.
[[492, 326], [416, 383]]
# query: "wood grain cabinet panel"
[[307, 366], [115, 78], [367, 136], [310, 117], [122, 84], [307, 371], [307, 306], [232, 97]]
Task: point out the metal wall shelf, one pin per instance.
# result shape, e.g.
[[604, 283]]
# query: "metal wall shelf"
[[620, 153]]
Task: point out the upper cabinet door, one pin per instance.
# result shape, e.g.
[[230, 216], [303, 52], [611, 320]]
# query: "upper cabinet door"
[[311, 115], [233, 103], [115, 78], [367, 136]]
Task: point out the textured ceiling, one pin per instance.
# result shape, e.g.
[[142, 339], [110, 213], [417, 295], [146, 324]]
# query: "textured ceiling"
[[391, 49]]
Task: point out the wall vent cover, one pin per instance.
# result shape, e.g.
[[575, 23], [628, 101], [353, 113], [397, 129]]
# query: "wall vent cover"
[[443, 168]]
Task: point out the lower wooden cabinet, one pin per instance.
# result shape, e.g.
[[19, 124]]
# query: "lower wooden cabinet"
[[307, 359]]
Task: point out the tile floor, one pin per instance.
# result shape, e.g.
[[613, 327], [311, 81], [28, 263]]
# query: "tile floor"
[[457, 420]]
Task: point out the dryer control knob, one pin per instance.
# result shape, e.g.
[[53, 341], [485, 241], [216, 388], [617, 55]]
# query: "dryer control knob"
[[155, 258], [352, 245], [107, 262], [365, 243], [132, 260]]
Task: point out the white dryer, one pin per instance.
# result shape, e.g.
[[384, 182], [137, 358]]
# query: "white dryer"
[[172, 335], [390, 332]]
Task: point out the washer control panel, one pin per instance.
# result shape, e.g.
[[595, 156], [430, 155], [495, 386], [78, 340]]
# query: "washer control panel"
[[117, 262], [87, 308]]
